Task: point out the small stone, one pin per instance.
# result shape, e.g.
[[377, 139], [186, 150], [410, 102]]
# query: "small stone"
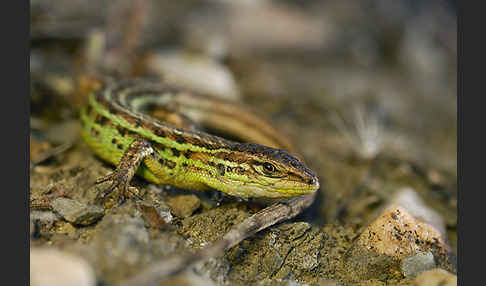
[[435, 178], [156, 216], [76, 212], [51, 267], [121, 243], [435, 277], [414, 265], [396, 233], [410, 200], [66, 228], [391, 238], [184, 205]]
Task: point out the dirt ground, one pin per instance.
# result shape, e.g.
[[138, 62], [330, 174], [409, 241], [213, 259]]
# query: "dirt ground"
[[366, 93]]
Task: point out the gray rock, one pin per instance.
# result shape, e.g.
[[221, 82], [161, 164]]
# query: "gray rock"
[[414, 265], [122, 246], [76, 212]]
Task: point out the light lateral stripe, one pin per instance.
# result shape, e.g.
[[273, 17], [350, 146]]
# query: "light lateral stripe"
[[165, 154], [146, 133]]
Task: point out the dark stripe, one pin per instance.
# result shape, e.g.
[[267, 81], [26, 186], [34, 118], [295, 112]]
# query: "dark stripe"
[[187, 154], [159, 132], [221, 169], [175, 152], [101, 120], [179, 138], [207, 141], [157, 145]]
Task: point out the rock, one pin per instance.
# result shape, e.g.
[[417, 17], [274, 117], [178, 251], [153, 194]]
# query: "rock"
[[121, 244], [288, 252], [157, 216], [394, 236], [188, 279], [435, 277], [76, 212], [51, 267], [184, 205], [67, 229], [420, 262], [398, 234], [199, 73], [409, 199], [43, 216]]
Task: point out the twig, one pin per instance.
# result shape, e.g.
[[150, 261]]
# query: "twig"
[[270, 215]]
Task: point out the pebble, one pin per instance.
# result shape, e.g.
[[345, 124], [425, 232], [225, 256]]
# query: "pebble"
[[435, 277], [416, 264], [76, 212], [184, 205], [410, 200], [121, 245], [52, 267], [388, 241], [396, 233], [157, 216]]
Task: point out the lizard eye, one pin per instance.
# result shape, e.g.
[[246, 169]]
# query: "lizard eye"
[[269, 168]]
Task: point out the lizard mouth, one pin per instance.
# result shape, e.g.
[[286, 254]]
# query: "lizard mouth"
[[282, 190]]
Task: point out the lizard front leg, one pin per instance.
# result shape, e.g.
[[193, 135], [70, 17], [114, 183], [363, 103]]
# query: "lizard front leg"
[[137, 151]]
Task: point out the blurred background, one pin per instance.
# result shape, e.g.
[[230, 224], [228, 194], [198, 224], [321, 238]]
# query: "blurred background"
[[365, 89]]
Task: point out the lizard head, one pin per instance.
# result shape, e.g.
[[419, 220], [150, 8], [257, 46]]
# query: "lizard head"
[[253, 170]]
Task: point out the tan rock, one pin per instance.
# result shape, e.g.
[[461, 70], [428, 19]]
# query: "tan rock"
[[184, 205], [435, 277], [396, 233], [410, 200], [394, 236], [53, 267]]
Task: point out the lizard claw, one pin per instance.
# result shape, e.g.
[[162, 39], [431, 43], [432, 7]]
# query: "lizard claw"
[[120, 181]]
